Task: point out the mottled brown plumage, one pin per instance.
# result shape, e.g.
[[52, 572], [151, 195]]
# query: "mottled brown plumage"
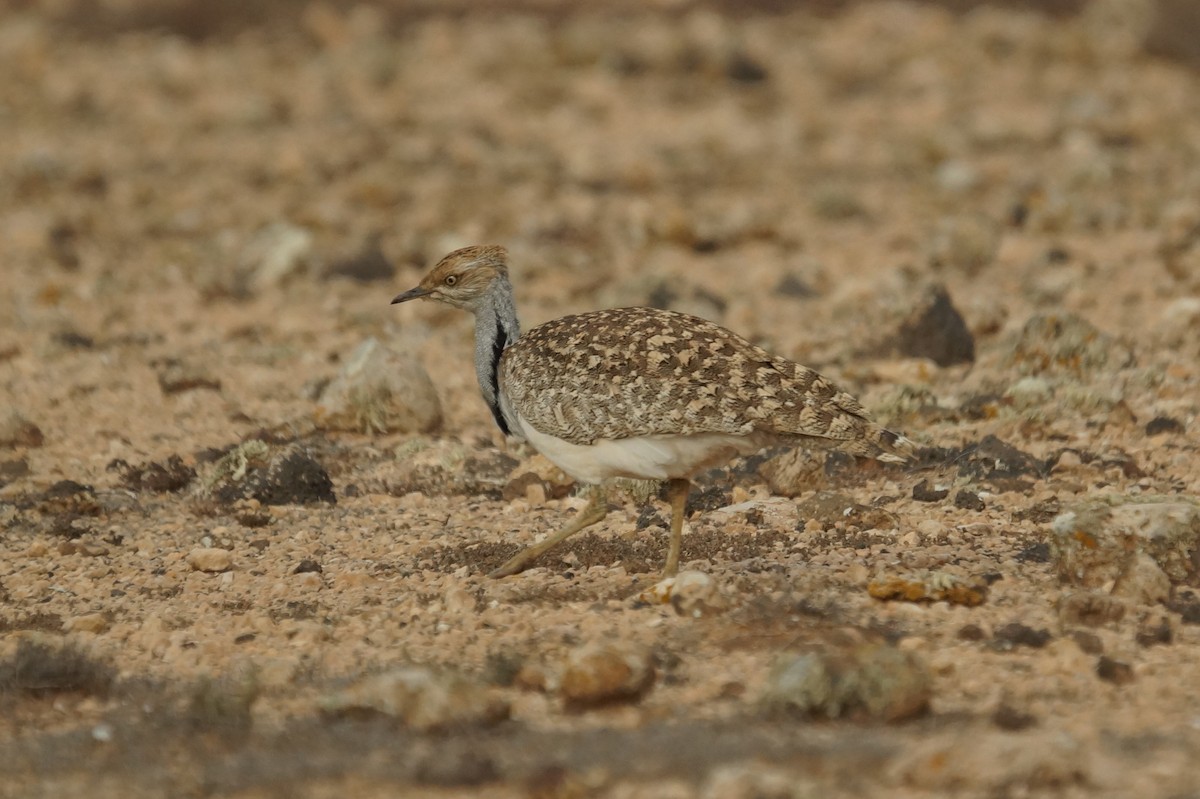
[[639, 392], [630, 372]]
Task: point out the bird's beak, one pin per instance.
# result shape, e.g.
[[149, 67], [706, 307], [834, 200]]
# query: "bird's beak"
[[412, 294]]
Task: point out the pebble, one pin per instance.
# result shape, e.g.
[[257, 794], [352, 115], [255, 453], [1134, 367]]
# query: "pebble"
[[423, 698], [210, 559], [690, 593], [600, 674]]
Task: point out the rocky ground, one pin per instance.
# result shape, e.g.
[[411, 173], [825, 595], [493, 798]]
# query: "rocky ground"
[[247, 507]]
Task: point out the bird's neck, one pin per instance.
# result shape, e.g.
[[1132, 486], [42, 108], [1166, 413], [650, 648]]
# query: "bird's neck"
[[496, 328]]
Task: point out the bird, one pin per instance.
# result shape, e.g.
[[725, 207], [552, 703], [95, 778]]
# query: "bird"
[[640, 393]]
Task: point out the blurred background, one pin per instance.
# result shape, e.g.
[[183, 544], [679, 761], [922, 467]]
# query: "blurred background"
[[249, 183]]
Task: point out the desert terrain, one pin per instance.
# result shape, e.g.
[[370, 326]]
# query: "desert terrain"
[[248, 507]]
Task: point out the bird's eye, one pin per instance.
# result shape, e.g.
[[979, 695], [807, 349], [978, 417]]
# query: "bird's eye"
[[451, 280]]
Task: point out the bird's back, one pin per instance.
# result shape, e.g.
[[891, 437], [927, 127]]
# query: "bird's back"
[[629, 372]]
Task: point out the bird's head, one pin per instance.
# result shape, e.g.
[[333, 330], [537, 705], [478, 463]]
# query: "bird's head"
[[462, 278]]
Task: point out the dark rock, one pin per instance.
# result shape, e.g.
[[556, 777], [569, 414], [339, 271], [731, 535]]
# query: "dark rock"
[[1040, 513], [936, 330], [305, 566], [1153, 632], [971, 632], [1114, 671], [741, 68], [1163, 424], [707, 499], [968, 500], [649, 516], [993, 460], [1015, 634], [272, 475], [1174, 31], [794, 286], [1009, 718], [1089, 643], [73, 339], [923, 492]]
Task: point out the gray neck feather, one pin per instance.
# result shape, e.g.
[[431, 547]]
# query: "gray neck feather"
[[496, 328]]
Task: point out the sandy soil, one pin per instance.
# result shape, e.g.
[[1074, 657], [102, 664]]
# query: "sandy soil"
[[203, 215]]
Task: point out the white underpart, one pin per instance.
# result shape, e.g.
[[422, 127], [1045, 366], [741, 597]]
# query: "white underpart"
[[654, 457]]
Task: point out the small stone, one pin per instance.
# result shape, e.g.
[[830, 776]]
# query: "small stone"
[[17, 431], [307, 566], [380, 390], [691, 593], [873, 681], [1114, 671], [423, 698], [210, 559], [601, 674], [88, 623]]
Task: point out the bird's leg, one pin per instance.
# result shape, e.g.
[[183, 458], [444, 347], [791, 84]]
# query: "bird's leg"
[[677, 492], [596, 509]]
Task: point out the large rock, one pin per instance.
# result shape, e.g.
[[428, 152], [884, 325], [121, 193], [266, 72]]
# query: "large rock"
[[272, 474], [875, 681], [1067, 345], [601, 674], [380, 390], [1132, 545]]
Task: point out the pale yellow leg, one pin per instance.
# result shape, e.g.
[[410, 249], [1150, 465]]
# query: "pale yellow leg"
[[677, 492], [596, 509]]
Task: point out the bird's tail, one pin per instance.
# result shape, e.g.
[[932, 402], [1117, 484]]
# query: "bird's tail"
[[890, 446]]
